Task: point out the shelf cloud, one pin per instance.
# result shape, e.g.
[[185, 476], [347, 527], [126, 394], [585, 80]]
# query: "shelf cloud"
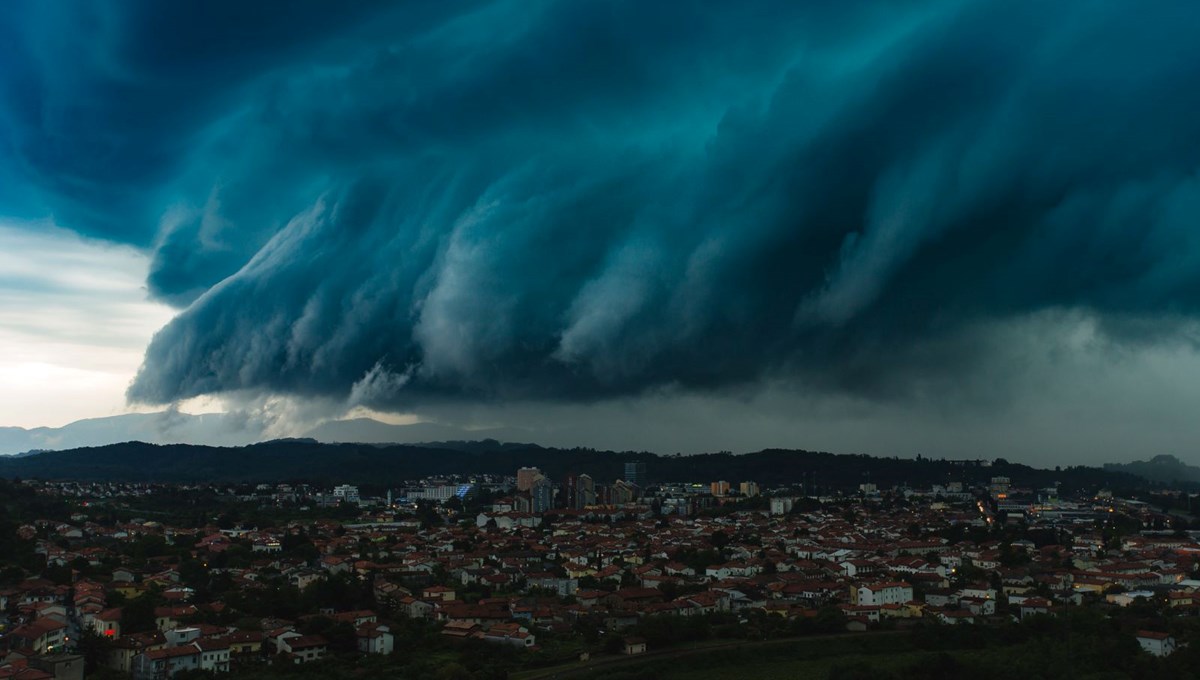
[[402, 204]]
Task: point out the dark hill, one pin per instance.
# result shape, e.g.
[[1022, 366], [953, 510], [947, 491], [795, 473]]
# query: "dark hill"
[[376, 465], [1165, 468]]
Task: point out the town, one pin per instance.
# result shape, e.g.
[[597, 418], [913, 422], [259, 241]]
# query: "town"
[[151, 581]]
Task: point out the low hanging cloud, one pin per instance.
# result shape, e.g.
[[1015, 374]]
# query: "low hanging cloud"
[[582, 200]]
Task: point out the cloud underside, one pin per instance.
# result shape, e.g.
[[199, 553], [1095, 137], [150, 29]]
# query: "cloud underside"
[[582, 200]]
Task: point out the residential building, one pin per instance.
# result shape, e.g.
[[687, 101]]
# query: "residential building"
[[160, 664], [526, 476], [346, 493], [635, 473], [1156, 643], [375, 638], [542, 495], [303, 648], [623, 493], [585, 492], [888, 592]]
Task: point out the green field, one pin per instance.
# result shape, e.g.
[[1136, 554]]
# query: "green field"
[[979, 654], [795, 669]]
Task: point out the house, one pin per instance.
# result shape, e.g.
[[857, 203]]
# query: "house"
[[509, 634], [900, 611], [375, 638], [635, 645], [460, 630], [1034, 605], [1177, 599], [335, 565], [679, 569], [39, 637], [978, 606], [855, 568], [166, 618], [866, 612], [416, 609], [302, 648], [356, 618], [709, 601], [245, 642], [106, 623], [58, 666], [857, 624], [122, 575], [304, 578], [441, 593], [214, 655], [1158, 644], [124, 649], [628, 596], [888, 592], [178, 637], [159, 664], [50, 610]]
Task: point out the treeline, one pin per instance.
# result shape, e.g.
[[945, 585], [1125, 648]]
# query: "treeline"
[[379, 466]]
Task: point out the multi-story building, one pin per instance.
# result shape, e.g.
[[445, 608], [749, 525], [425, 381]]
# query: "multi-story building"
[[635, 473], [888, 592], [585, 492], [720, 488], [623, 493], [781, 505], [437, 492], [346, 493], [542, 495], [999, 486], [748, 489], [526, 476], [570, 492]]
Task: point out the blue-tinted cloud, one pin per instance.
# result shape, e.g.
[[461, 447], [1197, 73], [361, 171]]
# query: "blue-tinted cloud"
[[583, 199]]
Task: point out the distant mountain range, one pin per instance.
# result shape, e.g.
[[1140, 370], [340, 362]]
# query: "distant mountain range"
[[369, 431], [160, 428], [172, 446], [1166, 469], [377, 466], [221, 429]]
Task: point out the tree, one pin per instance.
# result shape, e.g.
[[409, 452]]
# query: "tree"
[[453, 671], [858, 670], [138, 615], [719, 539], [94, 649]]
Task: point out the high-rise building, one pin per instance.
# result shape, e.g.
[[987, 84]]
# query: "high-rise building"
[[720, 488], [748, 489], [570, 492], [623, 492], [585, 492], [635, 473], [526, 476], [542, 494]]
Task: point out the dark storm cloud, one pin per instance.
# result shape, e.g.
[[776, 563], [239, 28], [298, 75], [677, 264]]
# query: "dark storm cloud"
[[571, 200]]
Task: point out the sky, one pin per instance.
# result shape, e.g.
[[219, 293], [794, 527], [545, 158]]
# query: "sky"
[[951, 227]]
